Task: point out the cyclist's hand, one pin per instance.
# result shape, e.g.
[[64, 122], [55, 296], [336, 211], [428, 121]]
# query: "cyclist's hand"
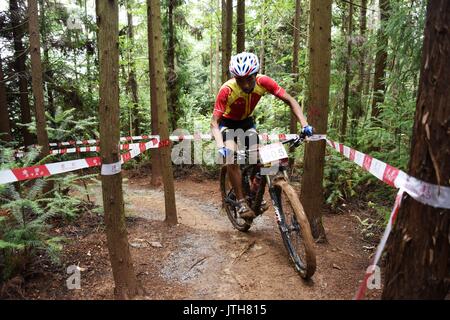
[[224, 152], [307, 131]]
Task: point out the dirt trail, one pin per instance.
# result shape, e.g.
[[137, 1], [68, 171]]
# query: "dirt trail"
[[208, 259], [202, 257]]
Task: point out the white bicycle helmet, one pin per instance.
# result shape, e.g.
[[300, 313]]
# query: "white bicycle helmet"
[[244, 64]]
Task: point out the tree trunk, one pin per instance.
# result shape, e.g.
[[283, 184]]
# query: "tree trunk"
[[347, 73], [240, 26], [211, 56], [156, 179], [217, 56], [20, 68], [262, 62], [227, 31], [5, 129], [36, 72], [362, 61], [171, 74], [418, 255], [295, 72], [380, 60], [318, 95], [157, 85], [132, 82], [126, 284]]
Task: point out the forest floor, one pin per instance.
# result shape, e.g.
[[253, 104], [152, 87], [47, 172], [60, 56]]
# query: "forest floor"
[[202, 257]]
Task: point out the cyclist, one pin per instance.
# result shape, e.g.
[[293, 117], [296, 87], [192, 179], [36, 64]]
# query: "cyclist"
[[235, 102]]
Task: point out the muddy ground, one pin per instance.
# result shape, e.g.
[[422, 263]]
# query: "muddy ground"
[[202, 257]]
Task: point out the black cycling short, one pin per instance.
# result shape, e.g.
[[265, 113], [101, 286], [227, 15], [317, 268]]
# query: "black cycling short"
[[230, 131]]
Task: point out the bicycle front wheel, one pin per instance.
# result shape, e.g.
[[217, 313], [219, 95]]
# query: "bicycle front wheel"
[[296, 233], [229, 195]]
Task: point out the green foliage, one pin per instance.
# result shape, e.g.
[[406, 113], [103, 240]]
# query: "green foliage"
[[26, 212]]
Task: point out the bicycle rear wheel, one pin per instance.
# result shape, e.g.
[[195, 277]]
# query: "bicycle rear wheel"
[[228, 194], [297, 236]]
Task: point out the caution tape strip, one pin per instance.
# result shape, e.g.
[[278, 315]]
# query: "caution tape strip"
[[45, 170], [424, 192]]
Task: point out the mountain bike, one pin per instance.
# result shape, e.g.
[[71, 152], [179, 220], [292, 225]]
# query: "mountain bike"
[[290, 215]]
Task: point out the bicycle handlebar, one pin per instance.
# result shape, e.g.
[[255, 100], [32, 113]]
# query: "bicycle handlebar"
[[298, 140]]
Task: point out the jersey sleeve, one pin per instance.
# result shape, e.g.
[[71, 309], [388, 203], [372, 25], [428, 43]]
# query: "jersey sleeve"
[[271, 86], [221, 101]]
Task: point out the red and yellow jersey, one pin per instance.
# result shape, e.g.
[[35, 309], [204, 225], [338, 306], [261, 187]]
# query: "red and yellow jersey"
[[235, 104]]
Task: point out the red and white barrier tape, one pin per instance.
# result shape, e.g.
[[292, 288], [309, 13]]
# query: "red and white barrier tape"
[[424, 192], [195, 136], [45, 170]]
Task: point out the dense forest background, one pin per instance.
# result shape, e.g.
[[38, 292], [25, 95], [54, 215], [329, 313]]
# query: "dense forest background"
[[366, 48]]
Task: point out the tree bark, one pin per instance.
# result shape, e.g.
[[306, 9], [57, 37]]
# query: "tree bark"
[[347, 73], [156, 179], [418, 255], [318, 95], [227, 29], [240, 26], [20, 68], [171, 74], [5, 129], [217, 57], [157, 85], [132, 82], [36, 72], [380, 60], [126, 284]]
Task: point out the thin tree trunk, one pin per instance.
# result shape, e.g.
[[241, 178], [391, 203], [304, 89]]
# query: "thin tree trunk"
[[48, 74], [5, 129], [227, 31], [262, 62], [211, 55], [132, 82], [20, 68], [418, 259], [295, 71], [347, 73], [240, 26], [217, 56], [318, 95], [359, 109], [156, 179], [171, 74], [36, 71], [126, 284], [380, 60], [157, 85]]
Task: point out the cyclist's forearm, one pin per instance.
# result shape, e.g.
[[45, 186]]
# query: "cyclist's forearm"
[[216, 134], [296, 109], [299, 114]]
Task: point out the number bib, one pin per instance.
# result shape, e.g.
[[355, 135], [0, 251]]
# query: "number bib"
[[272, 152]]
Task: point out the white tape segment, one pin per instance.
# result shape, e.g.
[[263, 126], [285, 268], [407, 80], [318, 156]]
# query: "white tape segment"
[[111, 169]]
